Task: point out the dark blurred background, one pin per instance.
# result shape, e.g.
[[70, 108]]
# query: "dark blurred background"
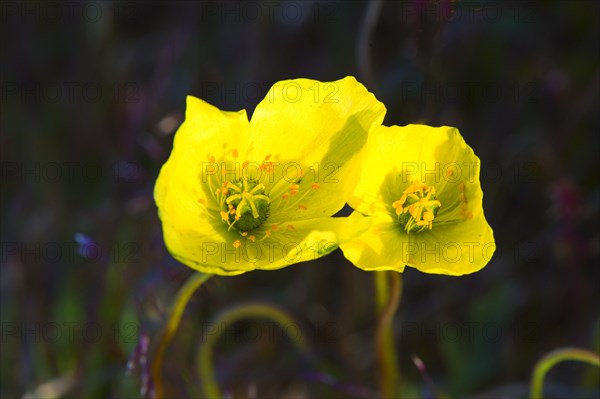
[[91, 93]]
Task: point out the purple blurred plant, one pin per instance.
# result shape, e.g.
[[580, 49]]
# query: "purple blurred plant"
[[138, 360]]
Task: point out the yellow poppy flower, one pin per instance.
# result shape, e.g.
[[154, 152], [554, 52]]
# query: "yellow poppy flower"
[[420, 194], [238, 195]]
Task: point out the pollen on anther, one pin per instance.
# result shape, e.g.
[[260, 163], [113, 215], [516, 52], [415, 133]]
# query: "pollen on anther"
[[211, 159], [303, 207], [268, 157], [202, 201], [224, 216], [461, 187], [252, 238], [428, 216], [268, 233], [290, 227], [267, 166], [294, 187], [315, 186], [274, 227], [285, 196], [234, 153], [237, 243], [244, 233]]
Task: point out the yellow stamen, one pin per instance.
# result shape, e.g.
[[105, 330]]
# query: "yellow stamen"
[[268, 167], [237, 243], [246, 201], [417, 207]]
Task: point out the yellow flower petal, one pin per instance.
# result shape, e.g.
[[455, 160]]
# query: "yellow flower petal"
[[458, 249], [227, 189], [314, 132], [444, 229]]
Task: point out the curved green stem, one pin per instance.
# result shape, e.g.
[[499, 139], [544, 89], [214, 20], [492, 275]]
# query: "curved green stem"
[[224, 321], [551, 359], [183, 296], [388, 300]]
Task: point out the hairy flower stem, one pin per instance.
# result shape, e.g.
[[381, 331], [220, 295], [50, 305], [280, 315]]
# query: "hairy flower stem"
[[388, 285], [224, 321], [181, 300], [551, 359]]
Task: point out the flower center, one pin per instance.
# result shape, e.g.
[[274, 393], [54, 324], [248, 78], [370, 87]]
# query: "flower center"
[[417, 207], [244, 205]]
